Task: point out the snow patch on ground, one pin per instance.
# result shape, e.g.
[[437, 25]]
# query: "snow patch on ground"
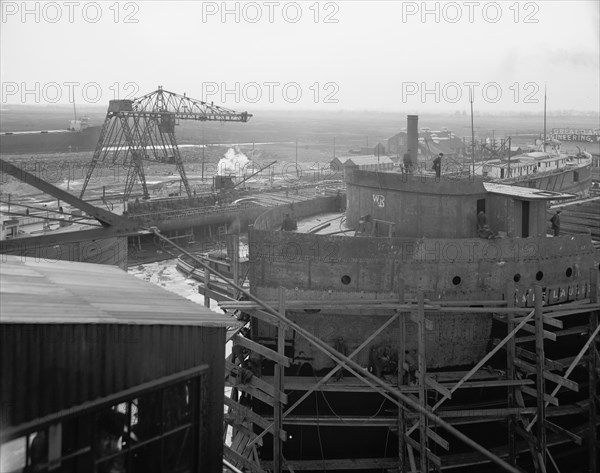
[[165, 274]]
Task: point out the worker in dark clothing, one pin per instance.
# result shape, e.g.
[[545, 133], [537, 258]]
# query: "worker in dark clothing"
[[383, 360], [289, 224], [482, 219], [410, 368], [483, 229], [338, 202], [111, 430], [437, 165], [555, 221], [407, 161]]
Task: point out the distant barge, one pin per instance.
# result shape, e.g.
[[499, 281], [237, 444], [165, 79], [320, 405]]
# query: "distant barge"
[[79, 137]]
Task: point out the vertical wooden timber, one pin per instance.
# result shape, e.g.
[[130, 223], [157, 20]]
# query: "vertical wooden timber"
[[593, 374], [206, 287], [401, 361], [277, 411], [511, 353], [422, 392], [235, 262], [540, 383]]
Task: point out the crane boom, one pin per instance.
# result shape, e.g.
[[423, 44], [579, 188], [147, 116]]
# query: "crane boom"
[[186, 108]]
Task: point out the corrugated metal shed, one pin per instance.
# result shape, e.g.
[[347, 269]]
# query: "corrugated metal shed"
[[76, 332], [363, 162], [83, 293]]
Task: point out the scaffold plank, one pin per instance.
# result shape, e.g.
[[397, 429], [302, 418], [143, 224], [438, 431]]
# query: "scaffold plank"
[[567, 383], [262, 350], [564, 432], [438, 439], [236, 458], [432, 383], [547, 397], [547, 334], [337, 464], [433, 458], [256, 382], [242, 412]]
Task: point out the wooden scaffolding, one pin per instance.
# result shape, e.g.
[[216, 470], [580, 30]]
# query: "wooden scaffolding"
[[535, 384]]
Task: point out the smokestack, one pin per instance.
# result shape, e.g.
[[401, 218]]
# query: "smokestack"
[[412, 132]]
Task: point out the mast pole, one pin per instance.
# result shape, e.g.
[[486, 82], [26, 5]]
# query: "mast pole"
[[508, 171], [203, 150], [544, 139], [297, 170], [472, 132]]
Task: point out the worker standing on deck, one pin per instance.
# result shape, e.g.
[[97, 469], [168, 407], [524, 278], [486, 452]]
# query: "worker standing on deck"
[[483, 228], [555, 221], [437, 165], [338, 202], [482, 219], [289, 224]]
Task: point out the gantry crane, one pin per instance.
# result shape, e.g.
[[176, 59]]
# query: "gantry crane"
[[144, 129]]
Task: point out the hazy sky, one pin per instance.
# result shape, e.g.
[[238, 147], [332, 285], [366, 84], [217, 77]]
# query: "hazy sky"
[[392, 55]]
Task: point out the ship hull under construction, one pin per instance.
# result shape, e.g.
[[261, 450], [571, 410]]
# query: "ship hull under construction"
[[405, 340]]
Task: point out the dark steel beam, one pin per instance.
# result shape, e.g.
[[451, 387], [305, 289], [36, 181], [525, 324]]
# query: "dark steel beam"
[[103, 216], [20, 245]]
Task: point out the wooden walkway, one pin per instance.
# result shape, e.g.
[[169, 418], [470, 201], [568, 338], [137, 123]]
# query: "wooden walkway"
[[579, 217]]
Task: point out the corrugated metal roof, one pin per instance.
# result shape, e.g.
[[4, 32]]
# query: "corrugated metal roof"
[[341, 159], [363, 160], [537, 155], [525, 193], [65, 292]]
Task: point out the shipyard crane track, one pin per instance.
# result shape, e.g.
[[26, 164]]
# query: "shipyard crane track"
[[144, 129]]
